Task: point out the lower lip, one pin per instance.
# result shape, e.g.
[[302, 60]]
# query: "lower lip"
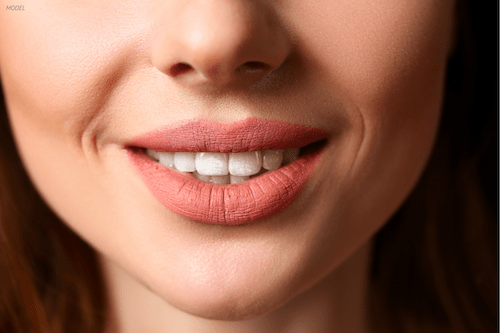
[[234, 204]]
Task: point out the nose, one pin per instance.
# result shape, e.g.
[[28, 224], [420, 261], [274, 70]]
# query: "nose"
[[216, 43]]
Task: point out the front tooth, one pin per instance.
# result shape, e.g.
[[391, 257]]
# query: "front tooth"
[[213, 164], [220, 180], [166, 159], [290, 155], [271, 159], [184, 161], [245, 164], [238, 179]]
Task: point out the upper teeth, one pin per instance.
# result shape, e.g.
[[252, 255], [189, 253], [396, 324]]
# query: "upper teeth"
[[239, 166]]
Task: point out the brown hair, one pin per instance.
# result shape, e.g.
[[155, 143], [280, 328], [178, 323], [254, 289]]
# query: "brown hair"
[[434, 264]]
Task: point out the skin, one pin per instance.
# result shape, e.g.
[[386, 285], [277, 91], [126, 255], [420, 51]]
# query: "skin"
[[83, 77]]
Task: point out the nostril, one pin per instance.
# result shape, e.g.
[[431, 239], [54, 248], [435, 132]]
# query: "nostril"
[[179, 68], [253, 66]]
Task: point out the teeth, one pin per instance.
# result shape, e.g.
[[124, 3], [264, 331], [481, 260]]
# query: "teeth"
[[245, 164], [214, 164], [153, 154], [167, 159], [184, 162], [220, 180], [271, 159], [238, 179], [290, 155], [203, 178], [225, 168]]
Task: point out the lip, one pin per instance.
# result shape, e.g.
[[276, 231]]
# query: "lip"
[[255, 199]]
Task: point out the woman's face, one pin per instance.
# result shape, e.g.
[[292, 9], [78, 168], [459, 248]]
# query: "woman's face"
[[82, 79]]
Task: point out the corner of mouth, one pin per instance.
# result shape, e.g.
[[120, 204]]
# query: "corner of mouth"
[[313, 147]]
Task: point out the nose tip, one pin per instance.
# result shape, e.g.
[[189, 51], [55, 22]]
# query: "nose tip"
[[219, 42]]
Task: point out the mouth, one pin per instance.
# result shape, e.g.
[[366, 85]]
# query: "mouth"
[[227, 174], [231, 168]]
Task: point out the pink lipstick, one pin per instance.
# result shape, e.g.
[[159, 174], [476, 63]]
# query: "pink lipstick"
[[232, 204]]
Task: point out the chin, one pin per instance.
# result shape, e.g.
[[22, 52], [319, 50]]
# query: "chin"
[[241, 295], [227, 305], [227, 311]]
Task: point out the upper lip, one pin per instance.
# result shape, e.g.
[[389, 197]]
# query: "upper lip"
[[250, 134]]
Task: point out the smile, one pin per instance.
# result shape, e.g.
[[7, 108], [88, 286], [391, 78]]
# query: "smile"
[[231, 173], [226, 168]]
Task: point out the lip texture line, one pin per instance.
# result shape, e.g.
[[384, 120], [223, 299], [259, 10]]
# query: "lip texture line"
[[233, 204]]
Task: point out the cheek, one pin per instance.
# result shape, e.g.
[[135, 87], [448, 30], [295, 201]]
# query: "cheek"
[[63, 60], [377, 53], [394, 80], [385, 61], [57, 77]]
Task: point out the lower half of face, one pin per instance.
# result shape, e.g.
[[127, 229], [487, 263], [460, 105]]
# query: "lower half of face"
[[81, 84]]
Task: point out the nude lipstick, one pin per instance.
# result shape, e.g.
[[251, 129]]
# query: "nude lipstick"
[[231, 204]]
